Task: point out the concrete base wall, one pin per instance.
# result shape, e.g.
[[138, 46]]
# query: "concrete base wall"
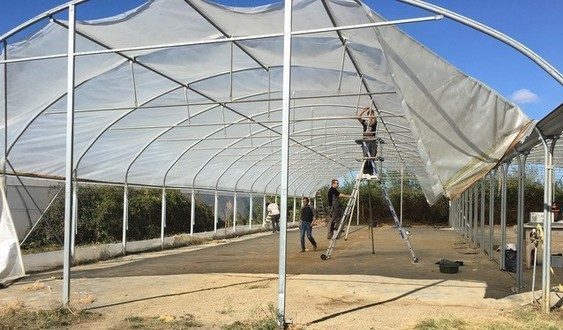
[[84, 254]]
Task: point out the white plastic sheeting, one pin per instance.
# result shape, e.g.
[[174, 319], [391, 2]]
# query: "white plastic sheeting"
[[11, 265], [208, 115]]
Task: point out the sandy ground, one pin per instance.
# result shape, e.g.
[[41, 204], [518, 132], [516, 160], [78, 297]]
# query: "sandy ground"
[[235, 280]]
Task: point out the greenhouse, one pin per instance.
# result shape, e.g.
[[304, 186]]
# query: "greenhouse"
[[252, 102]]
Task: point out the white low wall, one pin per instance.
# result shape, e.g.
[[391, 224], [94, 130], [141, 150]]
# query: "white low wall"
[[84, 254]]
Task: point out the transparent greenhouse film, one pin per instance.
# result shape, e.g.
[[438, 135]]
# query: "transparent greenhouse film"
[[11, 265]]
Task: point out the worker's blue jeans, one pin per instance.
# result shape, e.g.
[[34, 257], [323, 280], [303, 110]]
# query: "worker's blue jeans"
[[306, 228]]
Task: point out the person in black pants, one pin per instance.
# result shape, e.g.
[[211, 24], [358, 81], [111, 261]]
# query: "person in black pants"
[[308, 215], [367, 118], [336, 208]]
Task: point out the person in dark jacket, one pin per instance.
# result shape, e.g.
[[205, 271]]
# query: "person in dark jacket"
[[308, 216], [335, 207]]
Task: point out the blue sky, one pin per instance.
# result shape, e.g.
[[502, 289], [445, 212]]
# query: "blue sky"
[[536, 24]]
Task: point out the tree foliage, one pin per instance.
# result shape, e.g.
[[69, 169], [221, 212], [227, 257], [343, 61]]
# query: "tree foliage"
[[100, 216]]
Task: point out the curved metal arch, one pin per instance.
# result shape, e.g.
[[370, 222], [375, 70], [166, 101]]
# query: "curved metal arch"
[[223, 149], [316, 187], [40, 17], [246, 154], [254, 149], [218, 130], [315, 167], [319, 179], [172, 127], [316, 184], [262, 159], [117, 120], [268, 168], [265, 170], [38, 114], [252, 186], [299, 175], [169, 91]]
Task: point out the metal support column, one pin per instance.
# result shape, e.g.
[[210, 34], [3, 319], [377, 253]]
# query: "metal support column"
[[520, 248], [125, 219], [504, 167], [491, 213], [294, 207], [264, 211], [358, 206], [475, 212], [69, 153], [234, 212], [548, 219], [162, 218], [215, 212], [470, 218], [192, 212], [401, 204], [74, 218], [482, 237], [250, 211], [284, 161]]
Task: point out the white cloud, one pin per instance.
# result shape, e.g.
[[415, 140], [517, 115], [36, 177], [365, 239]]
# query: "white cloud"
[[524, 96]]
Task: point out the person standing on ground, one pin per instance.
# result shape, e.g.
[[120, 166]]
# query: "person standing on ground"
[[308, 216], [274, 213], [335, 206], [555, 209]]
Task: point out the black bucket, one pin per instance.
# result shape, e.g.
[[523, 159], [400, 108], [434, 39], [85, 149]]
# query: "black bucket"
[[448, 267]]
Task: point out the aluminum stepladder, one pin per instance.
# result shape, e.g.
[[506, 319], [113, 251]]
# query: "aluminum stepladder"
[[347, 214], [354, 195]]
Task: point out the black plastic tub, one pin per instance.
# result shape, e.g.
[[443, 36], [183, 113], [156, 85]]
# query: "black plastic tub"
[[449, 267]]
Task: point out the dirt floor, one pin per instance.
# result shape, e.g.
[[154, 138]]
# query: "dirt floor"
[[236, 280]]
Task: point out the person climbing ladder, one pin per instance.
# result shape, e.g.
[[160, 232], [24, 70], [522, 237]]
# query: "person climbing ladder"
[[368, 119]]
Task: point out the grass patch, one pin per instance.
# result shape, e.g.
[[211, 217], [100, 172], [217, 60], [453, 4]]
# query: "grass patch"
[[269, 322], [16, 315], [527, 317], [161, 322], [442, 323]]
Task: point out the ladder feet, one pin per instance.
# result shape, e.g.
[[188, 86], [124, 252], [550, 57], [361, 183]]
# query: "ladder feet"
[[415, 260], [324, 256]]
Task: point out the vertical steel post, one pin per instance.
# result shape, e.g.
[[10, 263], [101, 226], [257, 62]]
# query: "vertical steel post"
[[284, 160], [401, 204], [491, 213], [502, 263], [69, 153], [471, 219], [466, 214], [125, 219], [250, 211], [215, 212], [548, 219], [475, 212], [192, 212], [520, 222], [162, 218], [74, 218], [264, 211], [234, 212], [482, 237], [294, 207], [358, 206], [5, 77]]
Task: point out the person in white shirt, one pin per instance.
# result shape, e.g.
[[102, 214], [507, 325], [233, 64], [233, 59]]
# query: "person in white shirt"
[[274, 213]]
